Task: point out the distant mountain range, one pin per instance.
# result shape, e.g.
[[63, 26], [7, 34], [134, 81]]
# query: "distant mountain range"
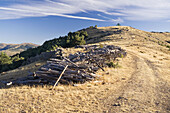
[[12, 49]]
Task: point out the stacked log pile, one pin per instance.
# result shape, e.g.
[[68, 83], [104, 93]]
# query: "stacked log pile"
[[81, 66]]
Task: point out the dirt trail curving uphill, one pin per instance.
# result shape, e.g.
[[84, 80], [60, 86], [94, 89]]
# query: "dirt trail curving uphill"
[[147, 90]]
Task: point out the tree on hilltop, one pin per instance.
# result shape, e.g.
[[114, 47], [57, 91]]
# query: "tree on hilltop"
[[118, 24]]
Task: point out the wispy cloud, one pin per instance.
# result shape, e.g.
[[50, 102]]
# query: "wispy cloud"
[[119, 9], [20, 13], [116, 20]]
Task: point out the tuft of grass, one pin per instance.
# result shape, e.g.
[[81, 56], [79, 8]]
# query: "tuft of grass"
[[121, 56], [101, 45], [112, 64]]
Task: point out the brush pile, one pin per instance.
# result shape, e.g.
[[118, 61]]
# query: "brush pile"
[[81, 66]]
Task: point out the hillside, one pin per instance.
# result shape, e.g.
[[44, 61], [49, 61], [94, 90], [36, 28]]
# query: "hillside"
[[12, 49], [140, 84], [123, 33]]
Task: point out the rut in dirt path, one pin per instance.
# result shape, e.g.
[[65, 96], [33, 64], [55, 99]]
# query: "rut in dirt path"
[[143, 92]]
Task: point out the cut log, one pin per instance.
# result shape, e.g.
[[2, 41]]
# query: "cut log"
[[46, 77], [54, 59], [55, 67], [50, 78], [80, 67], [94, 75], [72, 76]]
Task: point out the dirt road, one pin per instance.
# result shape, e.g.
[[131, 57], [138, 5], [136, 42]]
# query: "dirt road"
[[148, 88]]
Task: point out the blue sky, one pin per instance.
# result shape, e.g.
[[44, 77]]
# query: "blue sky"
[[39, 20]]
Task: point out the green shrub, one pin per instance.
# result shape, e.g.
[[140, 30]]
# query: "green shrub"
[[5, 59], [112, 64], [101, 45], [8, 63], [121, 56], [91, 27]]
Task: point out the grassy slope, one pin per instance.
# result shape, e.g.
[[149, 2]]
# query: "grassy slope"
[[95, 97]]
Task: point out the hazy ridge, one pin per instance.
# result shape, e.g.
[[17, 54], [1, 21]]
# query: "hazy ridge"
[[12, 49]]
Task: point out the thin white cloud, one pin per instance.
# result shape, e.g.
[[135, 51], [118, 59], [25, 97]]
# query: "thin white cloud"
[[14, 13], [117, 20], [145, 10]]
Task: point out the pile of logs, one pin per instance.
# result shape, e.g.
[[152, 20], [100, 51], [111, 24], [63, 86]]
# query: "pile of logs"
[[78, 68]]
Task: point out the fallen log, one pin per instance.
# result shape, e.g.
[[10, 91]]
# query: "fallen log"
[[52, 79], [80, 67], [55, 67], [55, 60], [94, 75]]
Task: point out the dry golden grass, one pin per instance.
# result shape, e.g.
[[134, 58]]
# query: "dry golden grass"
[[72, 51], [83, 98]]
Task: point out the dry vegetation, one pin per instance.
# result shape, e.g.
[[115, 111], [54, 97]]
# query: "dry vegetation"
[[141, 84]]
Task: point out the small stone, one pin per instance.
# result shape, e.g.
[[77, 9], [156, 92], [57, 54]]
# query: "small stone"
[[123, 78], [8, 84], [116, 104], [60, 88]]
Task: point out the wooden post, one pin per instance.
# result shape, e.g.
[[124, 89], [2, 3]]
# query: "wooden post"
[[60, 77]]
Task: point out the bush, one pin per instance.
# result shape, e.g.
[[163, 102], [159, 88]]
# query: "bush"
[[5, 59], [91, 27], [112, 64], [7, 62], [101, 45]]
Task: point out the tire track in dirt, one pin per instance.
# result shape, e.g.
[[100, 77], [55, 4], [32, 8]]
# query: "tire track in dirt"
[[163, 90], [143, 92]]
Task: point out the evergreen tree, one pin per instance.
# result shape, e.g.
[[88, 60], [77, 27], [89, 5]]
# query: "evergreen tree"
[[5, 59], [118, 24]]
